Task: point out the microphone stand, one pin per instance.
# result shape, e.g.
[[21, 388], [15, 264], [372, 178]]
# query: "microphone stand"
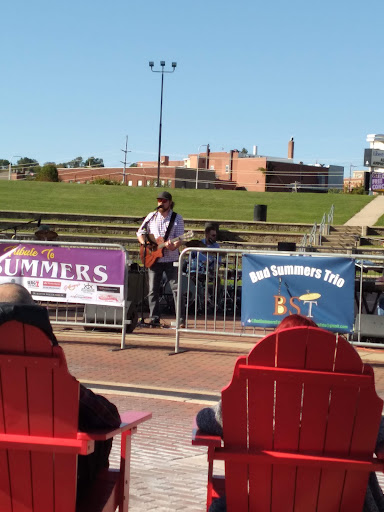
[[141, 322]]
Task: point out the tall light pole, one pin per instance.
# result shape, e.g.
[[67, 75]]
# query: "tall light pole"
[[162, 71], [197, 166]]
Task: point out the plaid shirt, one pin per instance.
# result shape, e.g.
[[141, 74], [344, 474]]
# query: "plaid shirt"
[[157, 226]]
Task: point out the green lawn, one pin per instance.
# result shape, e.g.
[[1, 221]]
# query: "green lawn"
[[199, 204]]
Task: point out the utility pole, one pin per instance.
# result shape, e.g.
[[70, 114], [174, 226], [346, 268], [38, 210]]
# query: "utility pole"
[[10, 166], [125, 151]]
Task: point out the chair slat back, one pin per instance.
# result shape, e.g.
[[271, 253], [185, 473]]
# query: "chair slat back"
[[38, 401], [294, 414]]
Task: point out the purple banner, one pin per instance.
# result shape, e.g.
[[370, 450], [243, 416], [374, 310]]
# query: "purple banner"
[[377, 181], [65, 274]]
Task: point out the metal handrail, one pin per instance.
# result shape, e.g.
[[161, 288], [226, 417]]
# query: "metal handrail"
[[312, 235], [326, 220], [330, 214]]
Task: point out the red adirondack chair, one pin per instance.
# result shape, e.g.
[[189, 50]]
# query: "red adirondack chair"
[[39, 439], [300, 421]]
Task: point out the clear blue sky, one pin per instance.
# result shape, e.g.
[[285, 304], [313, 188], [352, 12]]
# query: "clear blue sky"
[[75, 78]]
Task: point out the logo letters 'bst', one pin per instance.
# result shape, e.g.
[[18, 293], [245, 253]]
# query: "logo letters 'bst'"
[[281, 308]]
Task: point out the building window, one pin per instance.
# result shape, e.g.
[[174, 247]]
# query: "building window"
[[140, 183], [162, 183], [155, 183], [129, 183], [212, 167], [148, 182], [227, 169], [169, 183]]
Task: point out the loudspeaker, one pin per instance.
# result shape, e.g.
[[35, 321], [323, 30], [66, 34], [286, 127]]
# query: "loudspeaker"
[[286, 246]]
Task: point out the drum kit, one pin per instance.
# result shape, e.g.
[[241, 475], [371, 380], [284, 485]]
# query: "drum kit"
[[199, 287]]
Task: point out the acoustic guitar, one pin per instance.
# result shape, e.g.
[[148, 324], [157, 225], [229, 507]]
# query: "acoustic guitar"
[[153, 251]]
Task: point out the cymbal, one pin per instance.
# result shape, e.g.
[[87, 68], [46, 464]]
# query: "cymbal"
[[46, 234], [310, 296], [194, 243]]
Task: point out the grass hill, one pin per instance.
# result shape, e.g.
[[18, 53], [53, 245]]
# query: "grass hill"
[[192, 204]]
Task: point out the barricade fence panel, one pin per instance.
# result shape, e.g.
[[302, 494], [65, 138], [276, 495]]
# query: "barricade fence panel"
[[85, 289], [80, 284], [215, 291]]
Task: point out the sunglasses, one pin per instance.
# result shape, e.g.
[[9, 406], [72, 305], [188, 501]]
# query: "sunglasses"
[[162, 200]]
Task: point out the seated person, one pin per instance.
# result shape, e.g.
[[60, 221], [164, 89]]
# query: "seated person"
[[200, 259], [209, 420], [210, 241], [95, 411]]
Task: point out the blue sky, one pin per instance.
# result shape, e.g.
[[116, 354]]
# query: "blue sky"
[[75, 78]]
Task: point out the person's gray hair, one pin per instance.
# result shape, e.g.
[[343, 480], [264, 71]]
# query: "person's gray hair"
[[13, 293]]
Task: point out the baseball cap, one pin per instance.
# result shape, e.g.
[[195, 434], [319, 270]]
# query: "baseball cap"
[[164, 195]]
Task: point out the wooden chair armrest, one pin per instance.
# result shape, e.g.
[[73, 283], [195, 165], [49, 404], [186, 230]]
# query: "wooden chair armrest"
[[200, 438], [83, 446], [130, 420]]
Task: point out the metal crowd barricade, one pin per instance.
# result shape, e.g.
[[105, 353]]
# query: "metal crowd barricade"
[[71, 313], [212, 294]]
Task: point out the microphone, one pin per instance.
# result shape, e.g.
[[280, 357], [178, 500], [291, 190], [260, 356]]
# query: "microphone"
[[160, 206]]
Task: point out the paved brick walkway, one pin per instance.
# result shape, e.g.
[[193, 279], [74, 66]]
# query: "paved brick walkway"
[[149, 363], [168, 474]]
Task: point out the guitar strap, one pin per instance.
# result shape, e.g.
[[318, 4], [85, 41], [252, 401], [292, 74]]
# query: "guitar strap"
[[170, 226]]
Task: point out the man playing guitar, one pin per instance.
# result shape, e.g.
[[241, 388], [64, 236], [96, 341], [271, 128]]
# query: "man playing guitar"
[[153, 231]]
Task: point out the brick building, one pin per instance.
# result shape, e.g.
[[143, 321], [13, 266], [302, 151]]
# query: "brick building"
[[223, 170], [358, 179]]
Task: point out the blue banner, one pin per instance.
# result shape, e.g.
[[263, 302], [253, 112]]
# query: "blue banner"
[[274, 287]]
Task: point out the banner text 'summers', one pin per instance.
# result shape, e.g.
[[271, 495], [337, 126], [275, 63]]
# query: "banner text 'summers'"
[[35, 268]]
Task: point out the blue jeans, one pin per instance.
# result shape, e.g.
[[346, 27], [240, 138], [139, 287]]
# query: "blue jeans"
[[380, 306]]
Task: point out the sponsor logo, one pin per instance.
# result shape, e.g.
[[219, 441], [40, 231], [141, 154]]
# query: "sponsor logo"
[[81, 296], [88, 287], [49, 294], [33, 284], [51, 284], [71, 286], [112, 289], [108, 298]]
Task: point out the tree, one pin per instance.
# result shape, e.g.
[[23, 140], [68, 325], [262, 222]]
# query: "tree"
[[94, 162], [244, 151], [104, 181], [4, 162], [48, 173], [133, 165], [27, 161], [76, 162]]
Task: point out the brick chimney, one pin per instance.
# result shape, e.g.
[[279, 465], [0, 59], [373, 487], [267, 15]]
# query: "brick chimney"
[[291, 148]]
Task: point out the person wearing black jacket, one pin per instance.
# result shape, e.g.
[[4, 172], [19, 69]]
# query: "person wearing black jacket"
[[95, 411]]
